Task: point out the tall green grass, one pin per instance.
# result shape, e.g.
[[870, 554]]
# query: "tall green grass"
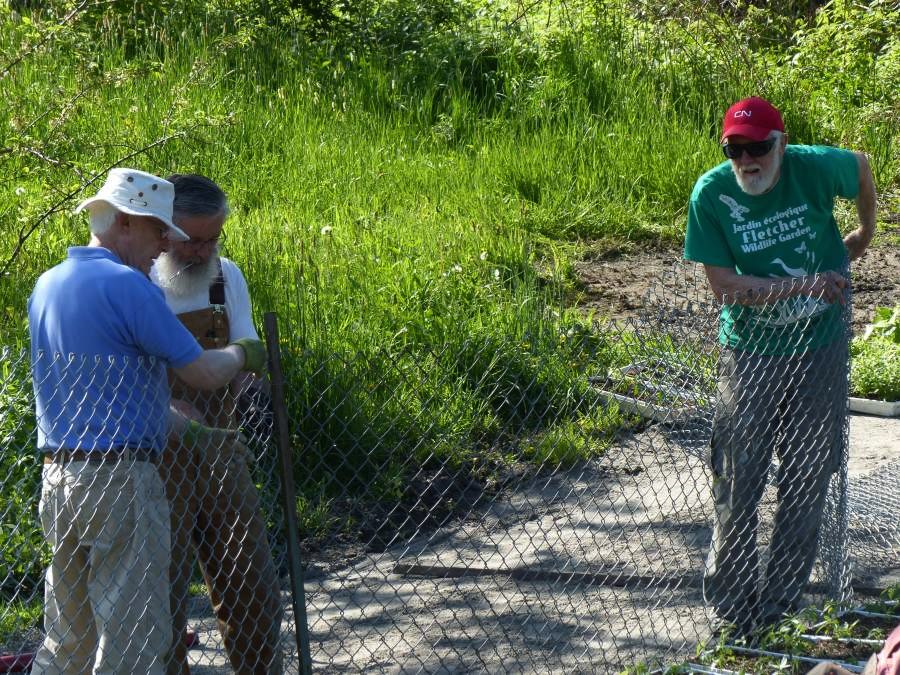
[[370, 176], [414, 184]]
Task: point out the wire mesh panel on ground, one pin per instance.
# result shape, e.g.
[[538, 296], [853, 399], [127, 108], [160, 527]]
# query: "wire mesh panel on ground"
[[551, 502], [198, 520], [874, 536]]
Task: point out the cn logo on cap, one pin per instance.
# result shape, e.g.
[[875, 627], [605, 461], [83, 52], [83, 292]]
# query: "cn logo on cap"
[[753, 118]]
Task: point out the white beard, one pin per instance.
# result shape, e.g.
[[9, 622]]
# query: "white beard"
[[183, 280], [755, 184]]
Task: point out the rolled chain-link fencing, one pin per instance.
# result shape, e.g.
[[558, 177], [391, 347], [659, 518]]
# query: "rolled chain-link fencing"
[[161, 553], [578, 501]]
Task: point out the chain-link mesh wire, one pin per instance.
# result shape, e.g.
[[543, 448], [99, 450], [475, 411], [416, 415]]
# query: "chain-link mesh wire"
[[528, 508], [22, 544], [158, 549], [873, 505], [217, 518], [526, 504], [803, 405]]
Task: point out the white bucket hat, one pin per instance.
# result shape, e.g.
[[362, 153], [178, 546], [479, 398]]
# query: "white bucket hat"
[[140, 194]]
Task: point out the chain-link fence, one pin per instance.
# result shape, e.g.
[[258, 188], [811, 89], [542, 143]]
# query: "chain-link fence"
[[577, 501], [612, 500], [156, 549]]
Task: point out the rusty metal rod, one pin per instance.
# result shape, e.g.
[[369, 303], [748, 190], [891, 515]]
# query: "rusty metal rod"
[[298, 596]]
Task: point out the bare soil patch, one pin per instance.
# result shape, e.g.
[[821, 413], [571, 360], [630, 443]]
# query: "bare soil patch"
[[614, 284]]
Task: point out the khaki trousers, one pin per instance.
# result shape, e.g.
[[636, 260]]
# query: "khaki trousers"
[[106, 593], [215, 512]]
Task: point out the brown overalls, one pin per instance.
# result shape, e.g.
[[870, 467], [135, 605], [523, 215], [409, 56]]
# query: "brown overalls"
[[215, 510]]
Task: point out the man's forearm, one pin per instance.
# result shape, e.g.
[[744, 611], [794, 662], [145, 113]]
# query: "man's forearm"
[[867, 199], [745, 289], [177, 422], [181, 415], [857, 241], [214, 368]]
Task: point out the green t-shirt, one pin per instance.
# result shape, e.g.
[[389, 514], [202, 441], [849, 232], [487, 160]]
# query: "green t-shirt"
[[789, 231]]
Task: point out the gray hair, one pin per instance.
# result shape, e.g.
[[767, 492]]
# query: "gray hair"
[[777, 135], [197, 195], [102, 218]]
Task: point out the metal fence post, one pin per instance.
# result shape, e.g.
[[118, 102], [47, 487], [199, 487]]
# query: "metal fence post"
[[298, 595]]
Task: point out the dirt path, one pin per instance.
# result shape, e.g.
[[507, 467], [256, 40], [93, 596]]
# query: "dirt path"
[[874, 441], [589, 569]]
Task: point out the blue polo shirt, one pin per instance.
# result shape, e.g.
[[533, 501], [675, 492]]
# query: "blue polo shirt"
[[101, 338]]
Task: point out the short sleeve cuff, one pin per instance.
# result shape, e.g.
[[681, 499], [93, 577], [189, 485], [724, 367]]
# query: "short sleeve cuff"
[[190, 356]]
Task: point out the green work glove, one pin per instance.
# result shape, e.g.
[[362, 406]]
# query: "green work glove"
[[197, 435], [255, 356]]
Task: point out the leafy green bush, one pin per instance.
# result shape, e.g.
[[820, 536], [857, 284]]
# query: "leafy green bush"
[[875, 364], [875, 368], [886, 324], [843, 71]]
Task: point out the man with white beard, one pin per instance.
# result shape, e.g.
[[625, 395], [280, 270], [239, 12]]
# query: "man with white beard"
[[213, 500], [762, 225], [101, 340]]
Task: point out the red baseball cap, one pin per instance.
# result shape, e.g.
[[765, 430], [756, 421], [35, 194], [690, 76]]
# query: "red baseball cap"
[[752, 117]]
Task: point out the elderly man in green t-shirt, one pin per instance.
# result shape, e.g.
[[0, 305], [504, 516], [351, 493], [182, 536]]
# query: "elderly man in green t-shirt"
[[762, 225]]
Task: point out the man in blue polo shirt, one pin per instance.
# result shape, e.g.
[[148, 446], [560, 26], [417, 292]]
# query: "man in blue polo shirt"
[[101, 339], [762, 225]]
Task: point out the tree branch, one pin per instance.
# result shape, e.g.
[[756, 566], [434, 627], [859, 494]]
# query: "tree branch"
[[55, 162], [26, 231], [45, 39]]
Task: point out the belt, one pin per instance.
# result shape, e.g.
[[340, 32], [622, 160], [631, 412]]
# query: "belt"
[[101, 457]]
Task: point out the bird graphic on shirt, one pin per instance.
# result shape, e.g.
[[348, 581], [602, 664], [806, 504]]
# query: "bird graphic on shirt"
[[737, 211], [790, 271]]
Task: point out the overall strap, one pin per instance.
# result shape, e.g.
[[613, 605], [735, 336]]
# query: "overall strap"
[[217, 289]]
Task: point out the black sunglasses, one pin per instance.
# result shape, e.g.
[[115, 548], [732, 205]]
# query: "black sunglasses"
[[758, 149]]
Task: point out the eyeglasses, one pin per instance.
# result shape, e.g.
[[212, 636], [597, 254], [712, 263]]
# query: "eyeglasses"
[[212, 241], [758, 149]]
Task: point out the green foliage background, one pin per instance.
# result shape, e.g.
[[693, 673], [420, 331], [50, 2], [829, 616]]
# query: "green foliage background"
[[412, 181], [875, 368]]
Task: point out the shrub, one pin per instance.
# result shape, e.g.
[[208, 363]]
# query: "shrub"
[[875, 368]]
